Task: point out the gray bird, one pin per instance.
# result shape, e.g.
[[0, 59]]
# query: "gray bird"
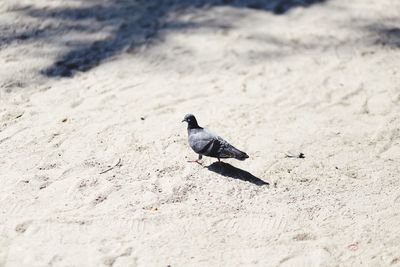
[[206, 143]]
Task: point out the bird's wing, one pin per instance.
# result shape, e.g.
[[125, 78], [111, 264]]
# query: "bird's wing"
[[201, 141], [226, 150], [223, 149], [207, 143]]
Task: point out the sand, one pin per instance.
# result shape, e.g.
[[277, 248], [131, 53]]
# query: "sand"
[[93, 152]]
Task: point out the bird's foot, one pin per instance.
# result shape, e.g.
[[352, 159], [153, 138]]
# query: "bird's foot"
[[196, 161]]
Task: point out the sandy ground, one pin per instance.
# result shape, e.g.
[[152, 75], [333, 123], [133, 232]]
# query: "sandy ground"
[[88, 85]]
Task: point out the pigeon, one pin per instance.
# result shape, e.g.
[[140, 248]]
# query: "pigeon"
[[206, 143]]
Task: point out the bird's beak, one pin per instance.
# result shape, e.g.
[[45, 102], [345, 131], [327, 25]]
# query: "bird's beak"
[[183, 120]]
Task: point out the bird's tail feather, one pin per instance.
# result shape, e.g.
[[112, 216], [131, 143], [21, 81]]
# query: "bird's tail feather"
[[237, 154]]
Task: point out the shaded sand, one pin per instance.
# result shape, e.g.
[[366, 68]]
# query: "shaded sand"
[[89, 84]]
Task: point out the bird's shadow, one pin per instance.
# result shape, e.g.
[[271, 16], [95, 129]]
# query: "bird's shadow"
[[228, 170]]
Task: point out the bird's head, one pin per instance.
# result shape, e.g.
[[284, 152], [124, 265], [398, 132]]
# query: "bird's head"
[[191, 120], [188, 118]]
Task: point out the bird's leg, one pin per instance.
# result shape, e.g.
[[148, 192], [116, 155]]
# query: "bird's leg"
[[197, 160], [219, 160]]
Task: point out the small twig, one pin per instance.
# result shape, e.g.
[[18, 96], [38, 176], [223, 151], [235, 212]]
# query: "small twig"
[[109, 169], [300, 156]]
